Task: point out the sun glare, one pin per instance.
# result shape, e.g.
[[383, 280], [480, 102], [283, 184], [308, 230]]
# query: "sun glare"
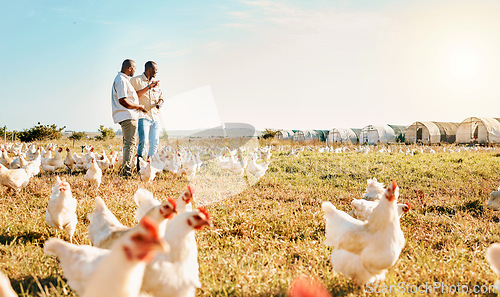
[[464, 63]]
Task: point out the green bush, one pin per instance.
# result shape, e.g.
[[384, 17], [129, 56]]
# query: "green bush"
[[40, 132], [2, 133], [78, 135], [106, 133]]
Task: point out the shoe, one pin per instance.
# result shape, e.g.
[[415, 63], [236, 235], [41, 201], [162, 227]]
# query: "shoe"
[[126, 173], [138, 164]]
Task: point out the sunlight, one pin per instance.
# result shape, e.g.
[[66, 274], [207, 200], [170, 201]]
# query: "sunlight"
[[464, 63]]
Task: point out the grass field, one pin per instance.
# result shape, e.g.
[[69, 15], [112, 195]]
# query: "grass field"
[[273, 230]]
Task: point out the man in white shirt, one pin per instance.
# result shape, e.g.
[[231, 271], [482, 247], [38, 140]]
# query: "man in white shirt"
[[149, 128], [125, 106]]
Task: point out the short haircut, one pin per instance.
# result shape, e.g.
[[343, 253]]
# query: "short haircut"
[[127, 63], [149, 65]]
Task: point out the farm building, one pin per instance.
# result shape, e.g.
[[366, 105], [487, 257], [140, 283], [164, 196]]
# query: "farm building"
[[480, 130], [284, 135], [302, 135], [373, 134], [322, 134], [431, 132], [399, 132], [448, 131], [342, 135]]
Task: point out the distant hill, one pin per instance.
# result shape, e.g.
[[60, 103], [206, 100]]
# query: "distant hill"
[[231, 130]]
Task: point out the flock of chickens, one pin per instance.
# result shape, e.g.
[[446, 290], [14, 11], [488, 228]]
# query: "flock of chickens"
[[158, 256], [16, 171]]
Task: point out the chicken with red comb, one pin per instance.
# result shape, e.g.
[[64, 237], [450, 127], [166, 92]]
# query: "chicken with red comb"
[[365, 250]]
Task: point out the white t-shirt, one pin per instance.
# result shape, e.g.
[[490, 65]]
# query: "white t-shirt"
[[123, 89]]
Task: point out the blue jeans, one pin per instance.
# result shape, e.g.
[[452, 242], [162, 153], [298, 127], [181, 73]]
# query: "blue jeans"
[[149, 131]]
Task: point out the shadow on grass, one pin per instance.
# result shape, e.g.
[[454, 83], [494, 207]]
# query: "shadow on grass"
[[35, 286], [23, 238]]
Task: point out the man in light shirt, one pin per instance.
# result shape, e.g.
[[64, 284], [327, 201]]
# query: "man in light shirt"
[[126, 108], [149, 128]]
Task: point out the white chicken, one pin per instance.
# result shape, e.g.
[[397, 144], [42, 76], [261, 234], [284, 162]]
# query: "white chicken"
[[174, 165], [374, 190], [103, 161], [147, 170], [92, 271], [121, 272], [190, 166], [70, 161], [5, 287], [365, 250], [93, 174], [61, 210], [257, 170], [33, 167], [361, 209], [15, 179], [176, 274], [5, 160], [102, 223], [56, 162], [18, 162], [105, 229], [236, 166], [145, 201], [493, 258], [185, 200], [494, 200]]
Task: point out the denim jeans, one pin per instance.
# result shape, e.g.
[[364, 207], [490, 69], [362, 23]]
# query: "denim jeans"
[[129, 128], [149, 131]]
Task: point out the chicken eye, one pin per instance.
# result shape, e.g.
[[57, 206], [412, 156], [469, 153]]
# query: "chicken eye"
[[138, 237], [197, 217]]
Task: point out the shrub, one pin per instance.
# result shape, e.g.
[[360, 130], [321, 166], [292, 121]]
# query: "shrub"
[[78, 135], [106, 133], [269, 133], [2, 133], [41, 132]]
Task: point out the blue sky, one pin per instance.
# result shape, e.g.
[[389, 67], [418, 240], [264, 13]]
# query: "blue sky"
[[273, 64]]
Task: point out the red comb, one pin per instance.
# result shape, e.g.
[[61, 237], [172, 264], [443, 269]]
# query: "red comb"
[[205, 212], [172, 201], [150, 226], [394, 184], [303, 287]]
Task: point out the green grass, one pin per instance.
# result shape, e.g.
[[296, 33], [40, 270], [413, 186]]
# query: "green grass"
[[273, 231]]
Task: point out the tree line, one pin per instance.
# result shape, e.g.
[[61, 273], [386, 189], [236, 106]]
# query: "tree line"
[[51, 132]]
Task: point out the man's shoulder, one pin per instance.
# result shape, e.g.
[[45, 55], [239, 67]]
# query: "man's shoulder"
[[136, 80]]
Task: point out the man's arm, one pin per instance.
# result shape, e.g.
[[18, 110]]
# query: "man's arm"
[[147, 88], [128, 104]]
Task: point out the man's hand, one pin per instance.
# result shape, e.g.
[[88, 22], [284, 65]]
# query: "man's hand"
[[154, 84], [141, 108]]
